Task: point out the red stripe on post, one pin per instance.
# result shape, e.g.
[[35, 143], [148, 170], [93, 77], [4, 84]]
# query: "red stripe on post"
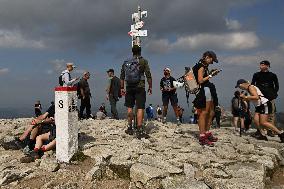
[[65, 89]]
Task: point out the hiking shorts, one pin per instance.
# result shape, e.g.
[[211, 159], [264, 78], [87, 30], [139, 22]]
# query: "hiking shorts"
[[135, 96], [266, 108], [166, 97], [207, 94]]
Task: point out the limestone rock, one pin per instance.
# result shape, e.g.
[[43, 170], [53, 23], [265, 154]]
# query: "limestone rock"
[[144, 173], [94, 174], [159, 163]]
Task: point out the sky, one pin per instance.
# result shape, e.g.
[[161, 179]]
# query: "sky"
[[37, 38]]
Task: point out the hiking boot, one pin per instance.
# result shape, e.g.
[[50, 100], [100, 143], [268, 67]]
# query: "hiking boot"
[[141, 134], [129, 130], [270, 133], [261, 137], [203, 140], [30, 158], [281, 136], [178, 123], [13, 145], [27, 150], [164, 120], [256, 134], [210, 137]]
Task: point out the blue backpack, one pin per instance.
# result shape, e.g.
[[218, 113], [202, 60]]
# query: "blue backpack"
[[132, 71]]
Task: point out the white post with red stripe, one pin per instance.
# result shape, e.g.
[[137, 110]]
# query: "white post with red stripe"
[[66, 120]]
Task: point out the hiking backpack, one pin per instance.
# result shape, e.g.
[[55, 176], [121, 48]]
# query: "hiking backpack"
[[190, 82], [60, 81], [132, 71]]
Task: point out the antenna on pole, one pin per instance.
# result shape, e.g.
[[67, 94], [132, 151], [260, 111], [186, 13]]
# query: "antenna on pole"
[[136, 31]]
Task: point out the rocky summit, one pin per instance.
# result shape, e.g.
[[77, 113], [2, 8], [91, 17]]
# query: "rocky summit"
[[170, 159]]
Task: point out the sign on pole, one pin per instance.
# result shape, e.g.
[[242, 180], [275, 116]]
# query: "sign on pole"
[[136, 31]]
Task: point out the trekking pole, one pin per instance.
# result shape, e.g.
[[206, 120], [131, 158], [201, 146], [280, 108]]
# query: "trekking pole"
[[240, 117]]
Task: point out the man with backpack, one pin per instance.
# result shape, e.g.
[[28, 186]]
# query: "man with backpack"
[[238, 110], [65, 79], [113, 92], [133, 73], [169, 94], [268, 84], [85, 95]]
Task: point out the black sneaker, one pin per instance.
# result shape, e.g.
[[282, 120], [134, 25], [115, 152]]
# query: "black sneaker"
[[256, 134], [281, 136], [30, 158], [141, 134], [129, 130], [261, 137], [270, 133]]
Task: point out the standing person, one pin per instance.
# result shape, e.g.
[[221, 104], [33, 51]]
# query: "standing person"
[[268, 84], [180, 113], [237, 107], [206, 99], [150, 112], [169, 94], [113, 92], [133, 72], [195, 114], [38, 108], [263, 107], [159, 113], [66, 76], [85, 95], [103, 108], [218, 114]]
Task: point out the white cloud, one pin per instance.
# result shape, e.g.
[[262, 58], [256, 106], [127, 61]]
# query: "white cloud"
[[14, 39], [233, 24], [58, 65], [4, 70], [227, 41], [274, 57]]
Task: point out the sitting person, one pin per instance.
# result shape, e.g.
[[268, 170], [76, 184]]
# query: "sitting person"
[[100, 115], [39, 125], [44, 142]]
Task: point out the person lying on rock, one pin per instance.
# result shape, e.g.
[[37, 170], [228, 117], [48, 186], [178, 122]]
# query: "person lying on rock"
[[263, 107], [41, 124]]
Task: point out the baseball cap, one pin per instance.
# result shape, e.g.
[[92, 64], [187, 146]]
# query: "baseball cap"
[[265, 62], [167, 69], [240, 81], [71, 64], [212, 55], [110, 70]]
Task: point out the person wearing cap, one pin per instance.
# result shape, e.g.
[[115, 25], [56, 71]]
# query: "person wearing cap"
[[169, 94], [66, 76], [135, 93], [85, 95], [113, 92], [268, 84], [206, 99], [263, 107]]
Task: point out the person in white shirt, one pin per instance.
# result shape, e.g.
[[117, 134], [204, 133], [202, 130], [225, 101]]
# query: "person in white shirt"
[[66, 76], [263, 107]]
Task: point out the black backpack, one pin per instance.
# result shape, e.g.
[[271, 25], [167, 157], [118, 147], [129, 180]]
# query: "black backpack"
[[60, 81], [132, 71], [78, 90]]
